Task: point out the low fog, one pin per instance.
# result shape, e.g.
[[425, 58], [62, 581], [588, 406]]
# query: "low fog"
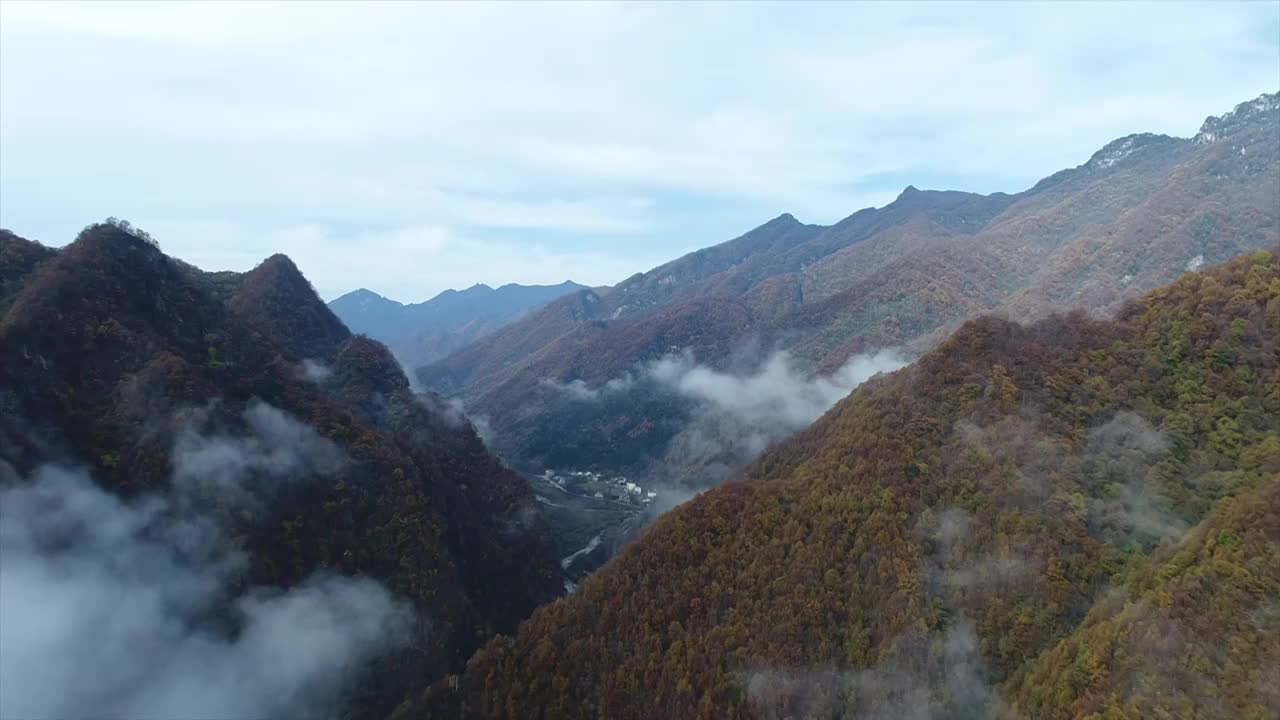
[[313, 371], [134, 609], [1122, 460], [739, 415], [778, 393], [1127, 448], [277, 449], [735, 415], [941, 672], [924, 675]]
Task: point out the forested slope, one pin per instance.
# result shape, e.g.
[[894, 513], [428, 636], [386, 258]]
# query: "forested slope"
[[997, 529], [150, 374]]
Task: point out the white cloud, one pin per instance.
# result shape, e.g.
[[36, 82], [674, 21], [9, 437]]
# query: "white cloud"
[[777, 394], [139, 608], [739, 414], [632, 130], [734, 415], [278, 448]]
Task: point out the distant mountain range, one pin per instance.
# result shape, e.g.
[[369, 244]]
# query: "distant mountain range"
[[1138, 213], [422, 332]]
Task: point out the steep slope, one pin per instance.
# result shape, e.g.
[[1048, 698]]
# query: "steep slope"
[[946, 540], [422, 332], [146, 372], [19, 257], [275, 299], [482, 364], [1193, 633], [1139, 212], [478, 369]]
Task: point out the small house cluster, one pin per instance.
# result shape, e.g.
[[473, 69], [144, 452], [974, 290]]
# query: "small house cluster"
[[598, 485]]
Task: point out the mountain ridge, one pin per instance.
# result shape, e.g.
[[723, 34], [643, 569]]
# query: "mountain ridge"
[[418, 332], [1132, 216], [116, 358]]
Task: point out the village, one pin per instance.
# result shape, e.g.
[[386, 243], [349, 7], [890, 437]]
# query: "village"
[[592, 484]]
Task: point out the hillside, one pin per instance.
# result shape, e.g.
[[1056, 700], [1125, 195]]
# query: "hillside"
[[1073, 518], [240, 406], [420, 333], [19, 257], [1139, 212]]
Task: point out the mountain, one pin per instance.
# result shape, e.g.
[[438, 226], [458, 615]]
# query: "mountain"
[[422, 332], [1139, 212], [18, 259], [289, 464], [1071, 518]]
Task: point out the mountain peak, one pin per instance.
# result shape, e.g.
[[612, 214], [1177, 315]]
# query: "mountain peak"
[[362, 300], [114, 237], [1121, 148], [361, 294], [280, 262], [1258, 109], [280, 272], [279, 301]]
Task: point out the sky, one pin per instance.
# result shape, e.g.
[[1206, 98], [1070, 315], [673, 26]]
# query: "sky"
[[413, 147]]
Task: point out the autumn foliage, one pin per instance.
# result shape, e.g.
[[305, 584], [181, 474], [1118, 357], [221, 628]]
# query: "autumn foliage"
[[110, 350], [1071, 518]]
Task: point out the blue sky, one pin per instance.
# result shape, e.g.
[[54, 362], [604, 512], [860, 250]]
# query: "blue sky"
[[409, 148]]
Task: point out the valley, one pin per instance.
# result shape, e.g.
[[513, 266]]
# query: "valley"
[[681, 376], [919, 361], [591, 517]]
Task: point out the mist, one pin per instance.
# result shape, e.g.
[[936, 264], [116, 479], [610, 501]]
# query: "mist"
[[733, 415], [278, 449], [738, 415], [1122, 465], [1125, 450], [136, 608], [778, 393], [313, 371], [923, 675]]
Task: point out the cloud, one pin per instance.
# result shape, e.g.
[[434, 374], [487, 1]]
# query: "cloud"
[[552, 135], [920, 676], [953, 527], [990, 574], [777, 392], [453, 411], [574, 389], [277, 449], [669, 496], [1121, 466], [735, 414], [110, 611], [739, 414], [579, 390], [314, 371], [1124, 451], [1125, 434], [953, 570]]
